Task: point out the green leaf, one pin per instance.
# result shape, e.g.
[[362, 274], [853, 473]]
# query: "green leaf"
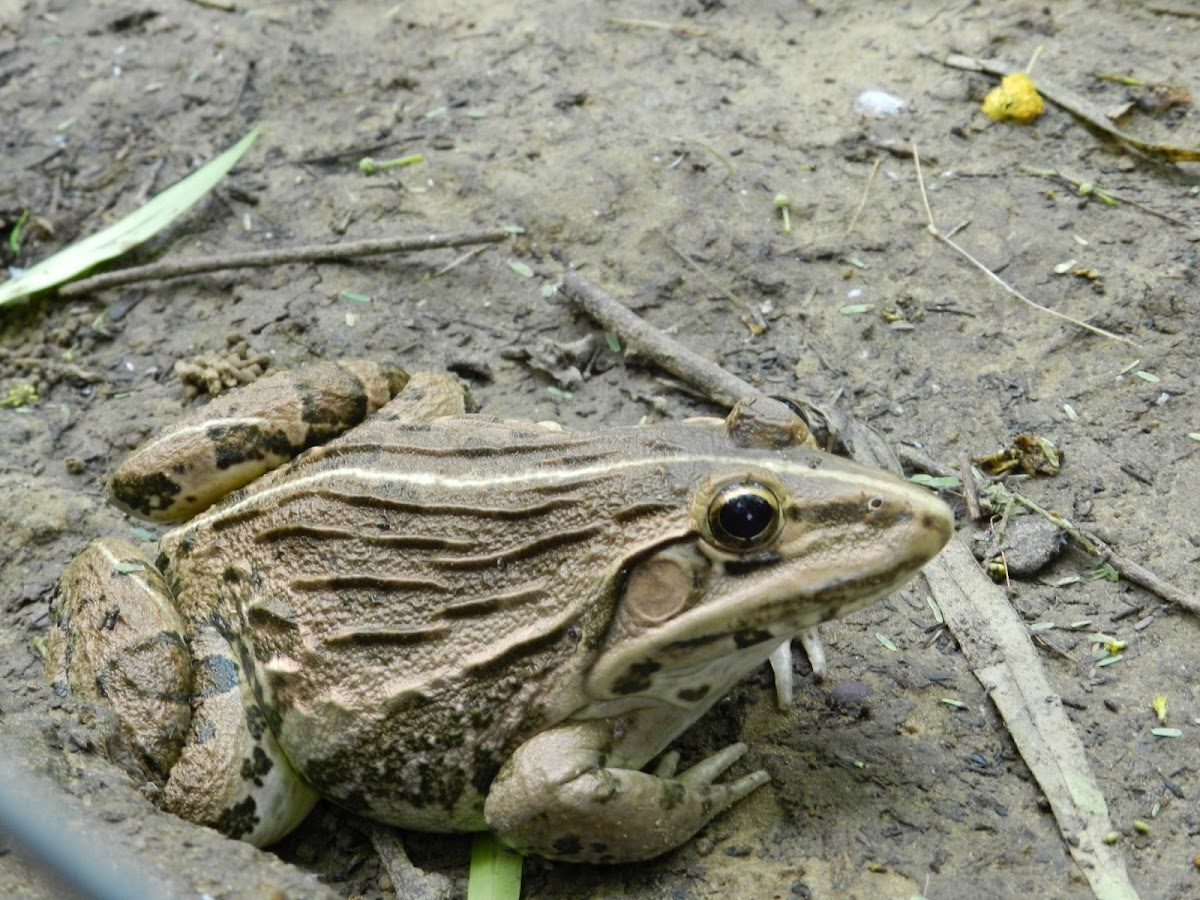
[[495, 870], [138, 226], [937, 482]]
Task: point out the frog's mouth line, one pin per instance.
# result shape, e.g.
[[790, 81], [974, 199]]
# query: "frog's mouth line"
[[715, 643]]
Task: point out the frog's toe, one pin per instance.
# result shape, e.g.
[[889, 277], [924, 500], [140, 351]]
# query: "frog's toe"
[[719, 797], [117, 638]]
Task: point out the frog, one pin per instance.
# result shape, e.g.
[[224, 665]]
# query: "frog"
[[444, 621]]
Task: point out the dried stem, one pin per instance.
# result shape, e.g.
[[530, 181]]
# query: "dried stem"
[[258, 258], [932, 228], [1126, 567], [862, 204]]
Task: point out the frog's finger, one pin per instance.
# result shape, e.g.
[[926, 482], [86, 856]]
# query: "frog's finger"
[[668, 764], [240, 435], [707, 770]]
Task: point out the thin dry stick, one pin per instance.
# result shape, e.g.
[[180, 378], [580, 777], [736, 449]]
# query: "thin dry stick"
[[687, 30], [1126, 567], [970, 490], [1078, 185], [1174, 11], [458, 261], [751, 318], [862, 204], [932, 228], [312, 253], [707, 376]]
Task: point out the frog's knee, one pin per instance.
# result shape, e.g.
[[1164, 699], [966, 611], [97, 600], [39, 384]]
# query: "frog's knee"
[[117, 637], [232, 775], [430, 395]]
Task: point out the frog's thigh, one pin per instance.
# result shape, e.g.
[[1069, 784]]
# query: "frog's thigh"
[[117, 637], [558, 798], [232, 775]]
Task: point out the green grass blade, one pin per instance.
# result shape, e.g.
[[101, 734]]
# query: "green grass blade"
[[136, 227], [495, 870]]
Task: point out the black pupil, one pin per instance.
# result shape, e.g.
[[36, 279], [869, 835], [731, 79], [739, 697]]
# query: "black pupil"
[[746, 516]]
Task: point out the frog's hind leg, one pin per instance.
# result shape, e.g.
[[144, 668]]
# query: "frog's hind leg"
[[116, 637], [189, 719], [247, 432], [232, 774]]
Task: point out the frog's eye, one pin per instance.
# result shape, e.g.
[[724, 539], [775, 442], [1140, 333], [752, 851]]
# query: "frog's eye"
[[744, 515]]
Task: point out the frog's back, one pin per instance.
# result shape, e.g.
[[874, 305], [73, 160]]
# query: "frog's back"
[[419, 599]]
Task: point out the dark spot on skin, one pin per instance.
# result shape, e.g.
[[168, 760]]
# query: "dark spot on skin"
[[597, 848], [235, 444], [691, 695], [748, 564], [183, 548], [484, 768], [673, 793], [231, 575], [606, 784], [256, 722], [636, 677], [214, 675], [748, 637], [144, 493], [258, 765], [567, 845], [349, 404], [690, 643], [238, 820]]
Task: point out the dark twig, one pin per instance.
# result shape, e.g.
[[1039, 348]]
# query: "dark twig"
[[717, 384], [1131, 570], [970, 489], [283, 256]]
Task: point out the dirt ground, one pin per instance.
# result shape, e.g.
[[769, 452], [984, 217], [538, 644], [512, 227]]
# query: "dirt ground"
[[625, 148]]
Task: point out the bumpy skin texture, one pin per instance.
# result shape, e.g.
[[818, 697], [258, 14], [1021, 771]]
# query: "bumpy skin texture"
[[453, 623]]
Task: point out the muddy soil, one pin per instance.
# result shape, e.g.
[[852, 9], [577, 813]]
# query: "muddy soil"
[[626, 148]]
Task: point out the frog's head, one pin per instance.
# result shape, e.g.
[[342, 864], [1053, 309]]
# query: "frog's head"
[[778, 541]]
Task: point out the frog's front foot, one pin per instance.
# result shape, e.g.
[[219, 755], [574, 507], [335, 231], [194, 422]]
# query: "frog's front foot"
[[560, 797]]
